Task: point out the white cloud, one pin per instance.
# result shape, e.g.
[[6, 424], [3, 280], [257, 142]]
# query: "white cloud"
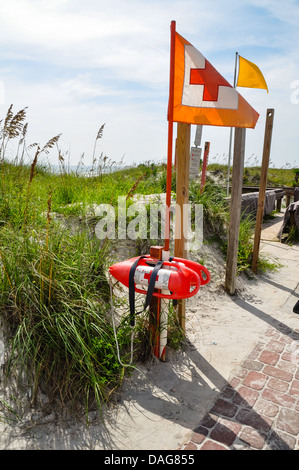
[[83, 86], [45, 24], [287, 11]]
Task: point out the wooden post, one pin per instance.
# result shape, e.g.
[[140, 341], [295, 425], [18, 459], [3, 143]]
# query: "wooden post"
[[155, 309], [182, 197], [231, 131], [204, 167], [235, 210], [263, 186]]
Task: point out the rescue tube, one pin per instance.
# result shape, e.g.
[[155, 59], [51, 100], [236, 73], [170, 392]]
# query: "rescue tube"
[[181, 277]]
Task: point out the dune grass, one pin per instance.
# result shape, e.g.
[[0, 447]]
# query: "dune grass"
[[54, 293]]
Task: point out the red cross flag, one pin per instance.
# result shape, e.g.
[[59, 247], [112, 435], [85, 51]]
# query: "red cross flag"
[[201, 95]]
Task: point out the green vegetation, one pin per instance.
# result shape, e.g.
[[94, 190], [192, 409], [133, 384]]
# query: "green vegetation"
[[54, 293], [277, 177], [216, 221]]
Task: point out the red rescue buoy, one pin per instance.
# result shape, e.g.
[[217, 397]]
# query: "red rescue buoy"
[[181, 277]]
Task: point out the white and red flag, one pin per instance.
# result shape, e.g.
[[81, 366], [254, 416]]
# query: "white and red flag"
[[201, 95]]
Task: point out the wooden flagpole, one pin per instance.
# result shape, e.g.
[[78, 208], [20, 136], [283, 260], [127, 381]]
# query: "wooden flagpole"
[[182, 197], [263, 186], [231, 132], [204, 167], [235, 210]]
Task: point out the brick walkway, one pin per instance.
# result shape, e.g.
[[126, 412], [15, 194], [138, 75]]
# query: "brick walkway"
[[259, 408]]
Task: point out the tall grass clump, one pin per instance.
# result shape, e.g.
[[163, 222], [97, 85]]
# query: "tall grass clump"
[[216, 213], [215, 208], [55, 297], [54, 294]]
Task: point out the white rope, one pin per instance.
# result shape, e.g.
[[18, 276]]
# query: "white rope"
[[114, 330]]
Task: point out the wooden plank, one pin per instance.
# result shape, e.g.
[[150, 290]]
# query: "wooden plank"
[[263, 186], [182, 197], [235, 210]]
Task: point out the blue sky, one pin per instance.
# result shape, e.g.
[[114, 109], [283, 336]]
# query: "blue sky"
[[77, 65]]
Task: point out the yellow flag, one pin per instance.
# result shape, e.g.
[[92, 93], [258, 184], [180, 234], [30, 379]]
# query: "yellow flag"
[[250, 75]]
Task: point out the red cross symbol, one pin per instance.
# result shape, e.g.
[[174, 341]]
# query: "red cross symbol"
[[210, 78]]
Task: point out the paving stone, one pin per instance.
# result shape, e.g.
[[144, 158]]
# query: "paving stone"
[[239, 372], [223, 434], [266, 408], [287, 366], [255, 380], [279, 385], [190, 446], [234, 382], [210, 445], [246, 396], [280, 441], [224, 408], [228, 392], [199, 435], [286, 339], [269, 357], [226, 431], [278, 373], [287, 356], [253, 419], [279, 398], [288, 421], [252, 437], [277, 346], [252, 365], [256, 350], [294, 389], [209, 420], [231, 424]]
